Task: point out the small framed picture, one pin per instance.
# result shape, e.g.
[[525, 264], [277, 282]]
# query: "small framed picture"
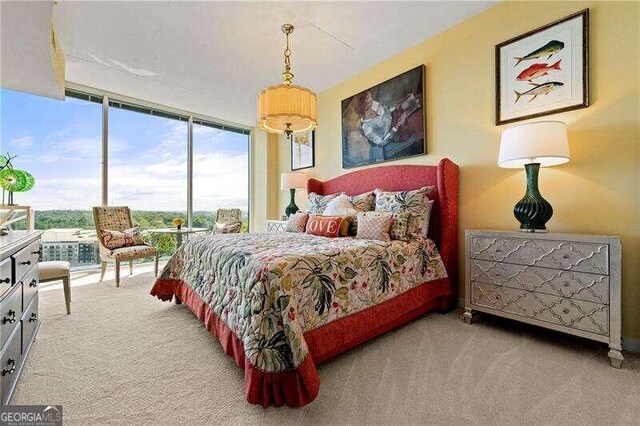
[[302, 150], [545, 71]]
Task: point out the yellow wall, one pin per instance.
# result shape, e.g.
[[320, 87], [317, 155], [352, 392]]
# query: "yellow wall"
[[597, 192], [264, 174]]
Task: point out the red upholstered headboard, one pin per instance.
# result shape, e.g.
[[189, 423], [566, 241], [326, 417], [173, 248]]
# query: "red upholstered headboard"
[[443, 228]]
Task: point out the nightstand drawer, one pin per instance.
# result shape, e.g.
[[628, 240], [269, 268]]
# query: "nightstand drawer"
[[555, 282], [576, 314], [566, 255]]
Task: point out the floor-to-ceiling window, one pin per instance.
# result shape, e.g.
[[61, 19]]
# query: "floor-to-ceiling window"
[[220, 172], [139, 159], [60, 144]]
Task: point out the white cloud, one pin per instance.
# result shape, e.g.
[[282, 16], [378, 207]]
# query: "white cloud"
[[22, 142]]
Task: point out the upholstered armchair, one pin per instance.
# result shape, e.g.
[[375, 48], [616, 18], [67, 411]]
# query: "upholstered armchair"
[[119, 219], [227, 221]]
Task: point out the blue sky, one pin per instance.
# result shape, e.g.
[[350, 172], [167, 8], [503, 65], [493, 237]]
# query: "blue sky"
[[59, 143]]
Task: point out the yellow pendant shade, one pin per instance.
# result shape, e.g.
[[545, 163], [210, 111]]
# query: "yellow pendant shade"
[[287, 107]]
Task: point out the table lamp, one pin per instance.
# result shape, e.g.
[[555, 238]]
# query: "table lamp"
[[291, 181], [534, 145]]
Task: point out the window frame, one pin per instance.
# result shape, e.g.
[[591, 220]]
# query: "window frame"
[[108, 99]]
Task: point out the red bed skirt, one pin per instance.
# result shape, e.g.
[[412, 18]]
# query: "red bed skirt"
[[299, 387]]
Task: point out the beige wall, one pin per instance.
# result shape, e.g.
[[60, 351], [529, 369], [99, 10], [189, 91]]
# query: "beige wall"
[[597, 192], [264, 173]]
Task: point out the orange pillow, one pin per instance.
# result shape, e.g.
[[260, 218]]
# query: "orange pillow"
[[324, 226]]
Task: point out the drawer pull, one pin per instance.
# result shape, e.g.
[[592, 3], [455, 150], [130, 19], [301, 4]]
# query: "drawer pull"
[[10, 318], [37, 252], [33, 317], [33, 283], [6, 281], [565, 311], [12, 367], [26, 262]]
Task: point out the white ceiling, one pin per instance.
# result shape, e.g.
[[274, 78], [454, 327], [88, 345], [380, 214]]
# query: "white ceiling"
[[212, 58]]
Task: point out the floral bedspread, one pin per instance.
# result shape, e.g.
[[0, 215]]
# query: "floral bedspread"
[[271, 288]]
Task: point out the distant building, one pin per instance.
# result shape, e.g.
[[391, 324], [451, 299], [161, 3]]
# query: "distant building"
[[77, 246]]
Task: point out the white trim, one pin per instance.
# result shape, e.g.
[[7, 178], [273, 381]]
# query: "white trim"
[[190, 172], [105, 150]]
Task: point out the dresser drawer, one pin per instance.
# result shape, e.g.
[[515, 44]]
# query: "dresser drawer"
[[10, 359], [5, 276], [555, 282], [25, 259], [567, 255], [576, 314], [29, 323], [29, 286], [10, 312]]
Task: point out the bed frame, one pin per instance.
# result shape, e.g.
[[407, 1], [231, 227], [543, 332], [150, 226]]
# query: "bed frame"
[[443, 226], [300, 386]]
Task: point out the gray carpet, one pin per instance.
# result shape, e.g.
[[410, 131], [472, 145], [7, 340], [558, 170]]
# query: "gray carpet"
[[124, 357]]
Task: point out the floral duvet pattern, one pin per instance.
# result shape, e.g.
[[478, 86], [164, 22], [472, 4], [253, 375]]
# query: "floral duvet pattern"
[[271, 288]]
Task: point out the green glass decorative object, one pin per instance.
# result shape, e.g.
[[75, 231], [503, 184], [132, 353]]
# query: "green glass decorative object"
[[291, 208], [533, 211], [13, 180]]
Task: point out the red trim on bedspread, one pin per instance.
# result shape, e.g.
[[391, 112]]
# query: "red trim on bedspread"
[[299, 387]]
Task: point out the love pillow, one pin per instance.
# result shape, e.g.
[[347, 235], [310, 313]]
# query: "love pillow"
[[324, 226]]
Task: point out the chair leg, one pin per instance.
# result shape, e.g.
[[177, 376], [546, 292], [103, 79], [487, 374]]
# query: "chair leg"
[[117, 273], [67, 293], [103, 269], [155, 265], [131, 267]]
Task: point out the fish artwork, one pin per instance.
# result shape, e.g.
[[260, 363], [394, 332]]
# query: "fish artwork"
[[537, 70], [539, 89], [548, 50]]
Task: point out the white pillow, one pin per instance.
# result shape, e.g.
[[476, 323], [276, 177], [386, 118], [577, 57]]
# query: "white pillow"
[[340, 206]]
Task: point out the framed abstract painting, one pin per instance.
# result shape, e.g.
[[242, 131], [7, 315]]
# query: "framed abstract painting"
[[302, 150], [545, 71], [385, 122]]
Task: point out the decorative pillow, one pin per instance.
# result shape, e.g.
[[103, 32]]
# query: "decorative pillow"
[[413, 202], [428, 217], [364, 202], [374, 226], [317, 203], [227, 228], [297, 222], [324, 226], [398, 229], [342, 206], [118, 239]]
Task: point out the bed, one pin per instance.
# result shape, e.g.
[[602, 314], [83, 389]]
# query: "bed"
[[281, 303]]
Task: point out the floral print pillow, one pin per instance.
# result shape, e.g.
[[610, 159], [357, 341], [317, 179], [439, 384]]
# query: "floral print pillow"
[[414, 202], [118, 239], [364, 202], [317, 203], [399, 226]]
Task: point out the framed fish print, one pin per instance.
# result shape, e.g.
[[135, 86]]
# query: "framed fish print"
[[545, 71], [385, 122], [302, 150]]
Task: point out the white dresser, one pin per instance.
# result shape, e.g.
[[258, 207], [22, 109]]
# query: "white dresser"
[[568, 283], [19, 322]]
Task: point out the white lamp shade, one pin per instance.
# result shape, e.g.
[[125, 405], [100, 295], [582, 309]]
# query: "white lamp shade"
[[544, 142], [293, 180], [287, 107]]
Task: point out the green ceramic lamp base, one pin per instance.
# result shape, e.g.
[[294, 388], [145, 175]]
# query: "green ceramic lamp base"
[[291, 208], [533, 211]]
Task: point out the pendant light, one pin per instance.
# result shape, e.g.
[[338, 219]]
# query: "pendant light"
[[287, 108]]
